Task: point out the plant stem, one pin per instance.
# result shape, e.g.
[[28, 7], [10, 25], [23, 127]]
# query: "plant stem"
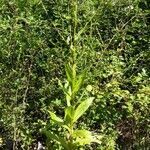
[[73, 12], [73, 48], [14, 135]]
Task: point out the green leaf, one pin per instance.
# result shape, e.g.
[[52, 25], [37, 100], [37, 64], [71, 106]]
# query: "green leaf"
[[78, 83], [84, 137], [82, 133], [68, 96], [69, 115], [55, 118], [82, 108], [55, 137], [69, 73]]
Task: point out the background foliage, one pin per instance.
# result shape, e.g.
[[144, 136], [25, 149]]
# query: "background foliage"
[[113, 44]]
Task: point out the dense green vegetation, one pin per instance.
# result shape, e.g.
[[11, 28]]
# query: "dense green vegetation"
[[75, 74]]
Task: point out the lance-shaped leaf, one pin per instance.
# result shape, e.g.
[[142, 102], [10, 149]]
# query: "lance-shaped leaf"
[[55, 118], [69, 115], [69, 73], [82, 108], [78, 82]]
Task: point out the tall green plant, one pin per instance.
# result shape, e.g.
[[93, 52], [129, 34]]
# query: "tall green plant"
[[73, 137]]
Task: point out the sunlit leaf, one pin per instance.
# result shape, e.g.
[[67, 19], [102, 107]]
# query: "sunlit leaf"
[[78, 82], [82, 108], [69, 115], [84, 137], [55, 118], [69, 73]]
